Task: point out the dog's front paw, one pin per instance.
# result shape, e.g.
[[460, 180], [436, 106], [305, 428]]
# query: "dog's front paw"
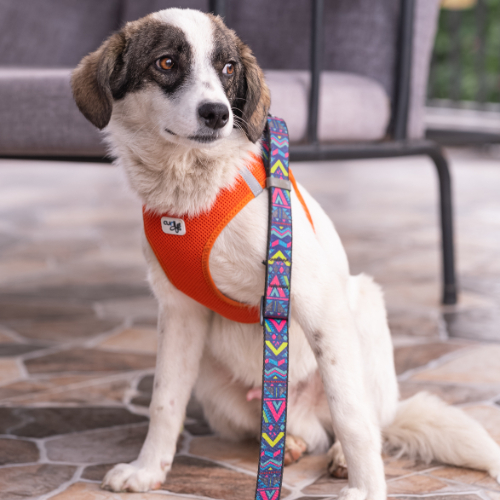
[[357, 494], [494, 472], [295, 447], [352, 494], [133, 478], [337, 465]]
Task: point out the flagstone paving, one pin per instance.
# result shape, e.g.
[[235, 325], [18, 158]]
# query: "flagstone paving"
[[78, 341]]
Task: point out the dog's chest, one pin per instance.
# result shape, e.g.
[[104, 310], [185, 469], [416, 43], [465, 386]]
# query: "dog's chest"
[[236, 264], [236, 260], [238, 348]]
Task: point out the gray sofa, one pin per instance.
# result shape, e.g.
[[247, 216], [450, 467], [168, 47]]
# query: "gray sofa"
[[42, 40]]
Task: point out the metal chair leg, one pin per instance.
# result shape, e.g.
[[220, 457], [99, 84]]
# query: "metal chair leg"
[[448, 251]]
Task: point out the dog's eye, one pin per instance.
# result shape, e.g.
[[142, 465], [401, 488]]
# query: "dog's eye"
[[165, 63], [228, 69]]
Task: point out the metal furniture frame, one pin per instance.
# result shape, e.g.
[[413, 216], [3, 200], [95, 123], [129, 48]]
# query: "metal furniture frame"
[[398, 146]]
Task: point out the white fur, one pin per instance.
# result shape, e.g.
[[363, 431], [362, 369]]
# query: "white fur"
[[342, 377], [425, 427]]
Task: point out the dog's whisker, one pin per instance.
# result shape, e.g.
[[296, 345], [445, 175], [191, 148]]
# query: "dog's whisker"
[[238, 119]]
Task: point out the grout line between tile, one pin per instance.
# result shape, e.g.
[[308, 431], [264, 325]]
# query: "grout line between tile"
[[408, 496], [101, 337], [485, 402], [414, 473], [14, 335], [43, 458], [435, 363], [113, 427], [473, 485], [155, 492], [49, 350], [22, 368], [183, 495], [9, 466], [222, 464], [303, 484], [483, 495], [297, 493], [64, 486], [81, 385], [143, 411]]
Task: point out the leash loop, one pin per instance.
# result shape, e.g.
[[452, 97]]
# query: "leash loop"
[[275, 312]]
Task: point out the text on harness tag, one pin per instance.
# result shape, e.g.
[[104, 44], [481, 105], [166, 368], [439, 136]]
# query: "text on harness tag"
[[173, 226]]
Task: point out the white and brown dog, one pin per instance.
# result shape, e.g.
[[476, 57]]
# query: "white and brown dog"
[[183, 105]]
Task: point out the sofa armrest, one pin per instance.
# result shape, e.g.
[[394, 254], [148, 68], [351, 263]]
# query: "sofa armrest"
[[38, 116]]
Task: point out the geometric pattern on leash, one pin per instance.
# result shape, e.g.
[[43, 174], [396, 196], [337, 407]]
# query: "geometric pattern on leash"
[[275, 312]]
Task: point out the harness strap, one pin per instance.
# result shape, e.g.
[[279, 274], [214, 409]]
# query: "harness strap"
[[251, 181], [275, 312], [184, 254]]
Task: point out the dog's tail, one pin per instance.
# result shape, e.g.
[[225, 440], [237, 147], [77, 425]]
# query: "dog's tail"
[[427, 428]]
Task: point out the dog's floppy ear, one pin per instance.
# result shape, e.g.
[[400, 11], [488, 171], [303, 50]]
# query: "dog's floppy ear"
[[90, 80], [257, 96]]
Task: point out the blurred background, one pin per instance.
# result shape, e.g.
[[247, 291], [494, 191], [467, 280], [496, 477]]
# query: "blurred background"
[[464, 91]]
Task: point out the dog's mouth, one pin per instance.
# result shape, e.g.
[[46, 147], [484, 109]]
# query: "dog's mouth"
[[203, 138], [198, 138]]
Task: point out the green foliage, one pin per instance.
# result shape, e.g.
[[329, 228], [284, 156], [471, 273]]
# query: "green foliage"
[[466, 58]]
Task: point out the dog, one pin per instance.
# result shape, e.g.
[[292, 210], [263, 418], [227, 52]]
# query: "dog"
[[183, 105]]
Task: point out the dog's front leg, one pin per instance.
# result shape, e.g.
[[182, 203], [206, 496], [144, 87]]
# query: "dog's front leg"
[[182, 328], [331, 330]]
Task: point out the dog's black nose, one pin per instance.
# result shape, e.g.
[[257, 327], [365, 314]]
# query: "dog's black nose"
[[214, 114]]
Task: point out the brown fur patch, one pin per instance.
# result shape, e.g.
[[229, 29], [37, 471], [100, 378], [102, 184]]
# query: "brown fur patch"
[[252, 101], [90, 81], [316, 347], [124, 63], [257, 96]]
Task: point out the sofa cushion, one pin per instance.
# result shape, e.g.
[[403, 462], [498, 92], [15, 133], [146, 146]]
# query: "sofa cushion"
[[360, 35], [51, 33], [352, 107], [39, 117]]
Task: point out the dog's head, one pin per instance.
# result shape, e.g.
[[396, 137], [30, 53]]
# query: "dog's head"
[[191, 75]]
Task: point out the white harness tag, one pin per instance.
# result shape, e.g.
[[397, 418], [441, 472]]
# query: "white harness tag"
[[173, 226]]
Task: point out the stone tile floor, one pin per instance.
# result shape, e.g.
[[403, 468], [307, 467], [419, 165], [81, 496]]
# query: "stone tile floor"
[[77, 326]]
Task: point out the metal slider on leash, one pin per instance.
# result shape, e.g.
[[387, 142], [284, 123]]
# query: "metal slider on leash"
[[278, 183]]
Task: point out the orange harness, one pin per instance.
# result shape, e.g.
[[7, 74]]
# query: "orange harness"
[[183, 245]]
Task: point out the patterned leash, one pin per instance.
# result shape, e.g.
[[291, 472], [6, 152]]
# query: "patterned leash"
[[275, 311]]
